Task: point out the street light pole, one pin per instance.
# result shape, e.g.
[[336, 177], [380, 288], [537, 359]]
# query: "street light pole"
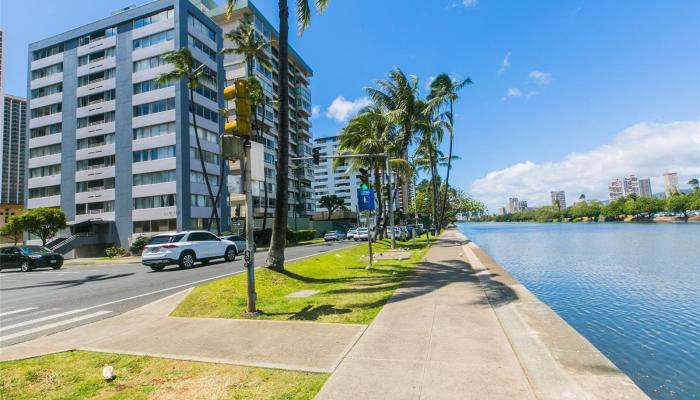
[[249, 228], [391, 206]]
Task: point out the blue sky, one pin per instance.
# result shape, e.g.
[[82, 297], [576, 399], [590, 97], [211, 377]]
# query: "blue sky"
[[586, 79]]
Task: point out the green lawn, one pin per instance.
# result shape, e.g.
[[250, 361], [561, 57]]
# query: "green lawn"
[[78, 375], [348, 293]]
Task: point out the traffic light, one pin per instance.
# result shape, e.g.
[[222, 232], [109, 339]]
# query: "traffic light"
[[316, 155], [364, 179], [241, 125]]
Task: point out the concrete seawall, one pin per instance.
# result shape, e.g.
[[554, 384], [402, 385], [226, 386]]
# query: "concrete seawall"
[[558, 361]]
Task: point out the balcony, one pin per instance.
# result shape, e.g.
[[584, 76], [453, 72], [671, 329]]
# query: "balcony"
[[97, 44]]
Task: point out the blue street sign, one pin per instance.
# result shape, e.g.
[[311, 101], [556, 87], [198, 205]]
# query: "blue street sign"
[[365, 199]]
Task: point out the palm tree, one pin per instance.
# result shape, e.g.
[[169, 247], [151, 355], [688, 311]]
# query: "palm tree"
[[431, 127], [694, 184], [183, 67], [370, 131], [444, 90], [275, 257], [249, 45]]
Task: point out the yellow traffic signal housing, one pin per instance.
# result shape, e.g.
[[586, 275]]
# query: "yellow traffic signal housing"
[[239, 92]]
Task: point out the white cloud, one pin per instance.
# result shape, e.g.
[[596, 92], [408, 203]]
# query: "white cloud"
[[464, 3], [540, 78], [315, 112], [428, 81], [504, 64], [512, 92], [342, 109], [647, 150]]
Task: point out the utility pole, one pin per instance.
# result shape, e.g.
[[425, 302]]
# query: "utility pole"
[[249, 255], [391, 206]]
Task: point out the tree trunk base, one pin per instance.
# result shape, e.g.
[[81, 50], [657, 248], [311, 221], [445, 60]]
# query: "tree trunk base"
[[275, 263]]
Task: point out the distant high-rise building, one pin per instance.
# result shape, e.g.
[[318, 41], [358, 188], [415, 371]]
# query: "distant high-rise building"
[[501, 211], [581, 199], [513, 205], [631, 185], [645, 187], [523, 205], [558, 198], [13, 140], [615, 190], [671, 183]]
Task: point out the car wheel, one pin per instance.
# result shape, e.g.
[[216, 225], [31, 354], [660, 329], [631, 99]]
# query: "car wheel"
[[230, 254], [25, 266], [56, 266], [187, 260], [157, 268]]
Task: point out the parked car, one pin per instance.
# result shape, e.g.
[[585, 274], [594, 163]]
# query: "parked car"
[[401, 233], [362, 234], [351, 233], [240, 243], [185, 248], [333, 236], [28, 258]]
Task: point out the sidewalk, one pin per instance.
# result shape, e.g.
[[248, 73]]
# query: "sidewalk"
[[300, 346], [462, 328]]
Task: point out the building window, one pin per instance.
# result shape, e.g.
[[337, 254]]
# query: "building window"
[[163, 200], [205, 134], [159, 225], [96, 98], [198, 177], [154, 154], [47, 90], [46, 110], [94, 208], [96, 56], [204, 112], [209, 157], [44, 150], [48, 170], [154, 39], [151, 178], [153, 18], [95, 141], [201, 27], [200, 200], [149, 63], [96, 119], [207, 92], [197, 44], [270, 158], [154, 130], [45, 130], [97, 35], [94, 185], [155, 107], [46, 191], [47, 52], [147, 86], [96, 77], [93, 163]]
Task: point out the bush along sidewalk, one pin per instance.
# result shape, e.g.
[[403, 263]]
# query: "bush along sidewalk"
[[333, 287]]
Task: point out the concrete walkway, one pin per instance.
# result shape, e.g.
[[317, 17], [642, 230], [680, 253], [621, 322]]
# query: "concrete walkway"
[[462, 328], [302, 346]]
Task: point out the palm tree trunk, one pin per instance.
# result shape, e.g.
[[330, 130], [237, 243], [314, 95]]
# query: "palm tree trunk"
[[201, 161], [275, 258], [431, 157], [449, 167]]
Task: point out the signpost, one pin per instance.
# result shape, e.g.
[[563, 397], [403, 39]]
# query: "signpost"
[[365, 202]]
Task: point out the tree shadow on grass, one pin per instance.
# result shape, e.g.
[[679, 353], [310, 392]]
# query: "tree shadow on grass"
[[311, 313]]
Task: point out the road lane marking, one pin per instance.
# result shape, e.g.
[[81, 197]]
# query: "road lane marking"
[[17, 311], [53, 325], [42, 319]]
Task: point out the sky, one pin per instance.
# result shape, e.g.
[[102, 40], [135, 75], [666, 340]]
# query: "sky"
[[567, 95]]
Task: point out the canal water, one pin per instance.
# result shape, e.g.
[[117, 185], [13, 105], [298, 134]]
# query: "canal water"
[[633, 290]]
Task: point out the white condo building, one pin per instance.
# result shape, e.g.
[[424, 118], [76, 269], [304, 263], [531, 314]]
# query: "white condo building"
[[615, 190], [339, 181], [671, 183], [558, 198]]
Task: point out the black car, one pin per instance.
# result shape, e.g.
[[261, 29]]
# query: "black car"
[[28, 258]]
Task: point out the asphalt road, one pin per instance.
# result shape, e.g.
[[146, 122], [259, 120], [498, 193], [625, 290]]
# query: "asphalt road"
[[42, 302]]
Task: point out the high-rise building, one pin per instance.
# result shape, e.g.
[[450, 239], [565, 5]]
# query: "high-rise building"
[[615, 190], [112, 148], [301, 199], [523, 205], [501, 211], [631, 185], [513, 205], [338, 181], [13, 140], [2, 72], [558, 199], [671, 183], [645, 188]]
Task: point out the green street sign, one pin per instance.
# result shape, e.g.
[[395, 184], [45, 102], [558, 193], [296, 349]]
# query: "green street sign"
[[232, 147]]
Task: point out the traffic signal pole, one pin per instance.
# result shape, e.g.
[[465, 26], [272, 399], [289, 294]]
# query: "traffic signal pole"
[[249, 255], [317, 157]]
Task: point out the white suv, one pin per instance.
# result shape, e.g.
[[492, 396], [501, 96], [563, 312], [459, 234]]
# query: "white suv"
[[184, 248]]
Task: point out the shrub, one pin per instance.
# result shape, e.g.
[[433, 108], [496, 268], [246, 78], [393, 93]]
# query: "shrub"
[[138, 244], [263, 237], [115, 252], [305, 234]]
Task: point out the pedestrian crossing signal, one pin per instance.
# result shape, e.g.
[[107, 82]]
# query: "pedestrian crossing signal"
[[364, 179]]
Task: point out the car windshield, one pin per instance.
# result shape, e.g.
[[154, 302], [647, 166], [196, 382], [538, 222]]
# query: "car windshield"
[[166, 239], [34, 250]]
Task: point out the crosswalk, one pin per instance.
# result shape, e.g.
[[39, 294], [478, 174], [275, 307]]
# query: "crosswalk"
[[27, 322]]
